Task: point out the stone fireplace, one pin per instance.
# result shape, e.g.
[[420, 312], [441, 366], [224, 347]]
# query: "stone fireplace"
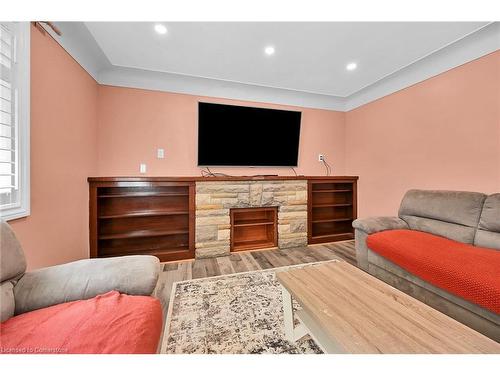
[[214, 199]]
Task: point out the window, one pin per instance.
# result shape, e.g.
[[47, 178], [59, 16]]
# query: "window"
[[14, 120]]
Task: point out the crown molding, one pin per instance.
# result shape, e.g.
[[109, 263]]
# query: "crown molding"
[[77, 40], [473, 46], [79, 43], [184, 84]]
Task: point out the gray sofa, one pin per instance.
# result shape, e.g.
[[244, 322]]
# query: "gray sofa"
[[22, 291], [468, 217]]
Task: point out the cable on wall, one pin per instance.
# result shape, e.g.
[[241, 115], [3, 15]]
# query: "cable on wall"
[[209, 173], [328, 169]]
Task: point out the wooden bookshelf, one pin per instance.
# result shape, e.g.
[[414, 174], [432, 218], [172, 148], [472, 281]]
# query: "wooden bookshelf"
[[146, 217], [156, 215], [332, 207], [254, 228]]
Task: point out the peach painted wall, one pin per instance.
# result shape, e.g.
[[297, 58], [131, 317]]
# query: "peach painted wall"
[[63, 155], [443, 133], [133, 123]]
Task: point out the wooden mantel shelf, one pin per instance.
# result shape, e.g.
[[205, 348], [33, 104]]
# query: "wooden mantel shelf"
[[218, 178]]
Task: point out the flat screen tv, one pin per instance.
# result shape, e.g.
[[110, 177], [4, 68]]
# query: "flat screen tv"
[[231, 135]]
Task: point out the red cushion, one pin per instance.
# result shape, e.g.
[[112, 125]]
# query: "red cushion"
[[467, 271], [109, 323]]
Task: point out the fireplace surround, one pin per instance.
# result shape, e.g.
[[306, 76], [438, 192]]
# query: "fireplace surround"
[[214, 199]]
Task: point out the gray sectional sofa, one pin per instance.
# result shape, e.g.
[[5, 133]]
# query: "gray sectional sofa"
[[467, 217], [23, 291]]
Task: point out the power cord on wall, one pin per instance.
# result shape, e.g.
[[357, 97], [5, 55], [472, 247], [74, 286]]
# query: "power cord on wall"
[[205, 173], [327, 167], [209, 173]]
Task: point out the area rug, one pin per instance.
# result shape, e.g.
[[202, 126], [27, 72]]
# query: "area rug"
[[232, 314]]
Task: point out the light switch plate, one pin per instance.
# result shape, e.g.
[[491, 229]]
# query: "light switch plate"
[[160, 153], [142, 168]]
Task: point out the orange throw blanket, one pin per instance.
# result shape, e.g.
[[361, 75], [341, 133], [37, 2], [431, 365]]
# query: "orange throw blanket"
[[467, 271], [108, 323]]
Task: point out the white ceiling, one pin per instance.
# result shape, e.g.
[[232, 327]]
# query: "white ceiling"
[[310, 57]]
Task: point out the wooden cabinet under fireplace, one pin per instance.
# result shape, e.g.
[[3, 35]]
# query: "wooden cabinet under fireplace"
[[254, 228], [143, 217]]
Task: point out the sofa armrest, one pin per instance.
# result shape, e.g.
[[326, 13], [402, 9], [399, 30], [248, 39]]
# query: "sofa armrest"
[[365, 227], [371, 225], [83, 279]]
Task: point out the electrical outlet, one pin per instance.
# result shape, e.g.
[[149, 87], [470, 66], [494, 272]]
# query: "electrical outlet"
[[160, 153], [142, 168], [321, 157]]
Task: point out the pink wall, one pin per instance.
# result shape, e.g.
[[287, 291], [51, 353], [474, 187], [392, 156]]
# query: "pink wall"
[[443, 133], [134, 123], [63, 155]]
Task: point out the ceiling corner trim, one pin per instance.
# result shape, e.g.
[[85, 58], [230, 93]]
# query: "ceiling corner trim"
[[191, 85], [77, 40], [471, 47]]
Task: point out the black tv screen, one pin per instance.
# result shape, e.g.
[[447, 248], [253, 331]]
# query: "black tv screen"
[[231, 135]]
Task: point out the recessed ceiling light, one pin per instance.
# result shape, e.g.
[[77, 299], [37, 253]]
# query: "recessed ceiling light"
[[351, 66], [269, 50], [160, 29]]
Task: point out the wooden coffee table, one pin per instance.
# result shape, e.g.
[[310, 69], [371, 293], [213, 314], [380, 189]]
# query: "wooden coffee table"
[[346, 310]]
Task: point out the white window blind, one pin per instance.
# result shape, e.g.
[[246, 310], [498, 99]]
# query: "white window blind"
[[14, 117], [9, 181]]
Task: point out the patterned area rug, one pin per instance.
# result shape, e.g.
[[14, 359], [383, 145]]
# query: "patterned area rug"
[[232, 314]]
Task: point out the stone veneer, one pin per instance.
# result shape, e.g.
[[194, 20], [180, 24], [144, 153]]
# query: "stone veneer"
[[215, 198]]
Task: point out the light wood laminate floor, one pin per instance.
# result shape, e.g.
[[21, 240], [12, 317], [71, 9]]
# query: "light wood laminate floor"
[[245, 261]]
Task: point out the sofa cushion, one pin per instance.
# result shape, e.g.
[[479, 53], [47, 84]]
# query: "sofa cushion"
[[451, 214], [108, 323], [451, 231], [488, 239], [490, 215], [371, 225], [13, 263], [7, 302], [467, 271], [488, 232], [84, 279]]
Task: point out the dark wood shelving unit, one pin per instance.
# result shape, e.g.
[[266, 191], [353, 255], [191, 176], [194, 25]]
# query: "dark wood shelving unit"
[[333, 191], [332, 220], [142, 233], [249, 223], [254, 228], [143, 194], [333, 237], [145, 217], [156, 215], [144, 214], [332, 207]]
